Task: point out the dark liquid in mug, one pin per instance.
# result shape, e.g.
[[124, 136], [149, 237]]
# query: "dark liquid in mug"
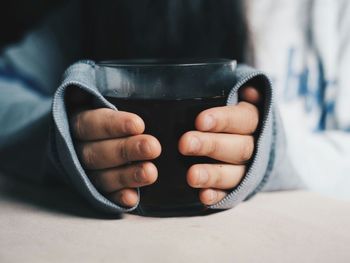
[[168, 120]]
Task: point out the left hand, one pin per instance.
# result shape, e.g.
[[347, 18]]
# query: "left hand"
[[225, 134]]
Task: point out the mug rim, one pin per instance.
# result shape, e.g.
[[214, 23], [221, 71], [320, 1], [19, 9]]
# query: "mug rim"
[[155, 62]]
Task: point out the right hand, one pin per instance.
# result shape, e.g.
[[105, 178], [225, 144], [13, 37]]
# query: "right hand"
[[115, 153]]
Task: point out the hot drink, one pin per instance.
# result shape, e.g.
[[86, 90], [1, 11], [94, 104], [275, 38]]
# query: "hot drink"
[[168, 96], [168, 120]]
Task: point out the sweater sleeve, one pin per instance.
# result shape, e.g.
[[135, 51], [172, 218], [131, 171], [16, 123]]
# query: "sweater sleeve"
[[35, 143], [82, 75], [30, 71], [269, 159], [79, 75]]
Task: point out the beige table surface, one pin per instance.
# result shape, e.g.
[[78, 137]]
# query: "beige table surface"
[[54, 225]]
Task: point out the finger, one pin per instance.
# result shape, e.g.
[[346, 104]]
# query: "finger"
[[211, 196], [131, 176], [242, 118], [219, 176], [105, 123], [229, 148], [125, 197], [250, 94], [111, 153]]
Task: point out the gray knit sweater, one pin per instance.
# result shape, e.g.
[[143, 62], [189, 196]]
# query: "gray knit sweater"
[[35, 139]]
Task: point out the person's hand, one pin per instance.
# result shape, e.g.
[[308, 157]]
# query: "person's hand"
[[107, 141], [225, 134]]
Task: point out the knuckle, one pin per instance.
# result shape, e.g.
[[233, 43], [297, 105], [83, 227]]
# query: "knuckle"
[[212, 146], [78, 127], [123, 180], [252, 117], [89, 157], [228, 117], [107, 124], [122, 151], [246, 148], [218, 181], [230, 123]]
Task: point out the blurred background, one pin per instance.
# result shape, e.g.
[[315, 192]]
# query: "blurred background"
[[19, 16], [140, 39]]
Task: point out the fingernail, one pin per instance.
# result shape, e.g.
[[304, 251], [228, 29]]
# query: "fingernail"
[[194, 144], [139, 175], [203, 177], [208, 122]]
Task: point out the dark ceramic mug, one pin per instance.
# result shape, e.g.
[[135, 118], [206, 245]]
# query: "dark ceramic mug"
[[168, 95]]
